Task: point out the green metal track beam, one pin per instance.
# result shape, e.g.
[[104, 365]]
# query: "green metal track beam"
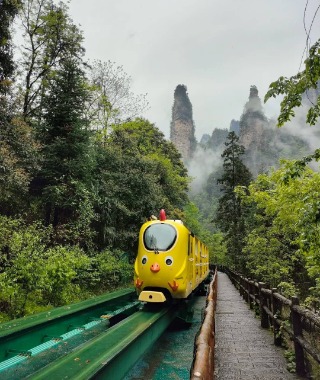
[[66, 326], [111, 355], [23, 324]]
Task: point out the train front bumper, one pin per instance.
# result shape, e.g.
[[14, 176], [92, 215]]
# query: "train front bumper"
[[152, 296]]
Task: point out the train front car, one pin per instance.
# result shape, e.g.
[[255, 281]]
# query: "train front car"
[[171, 262]]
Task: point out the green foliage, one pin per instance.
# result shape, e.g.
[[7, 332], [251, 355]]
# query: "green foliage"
[[18, 161], [191, 219], [62, 268], [138, 172], [294, 87], [112, 268], [291, 360], [32, 272], [287, 289], [217, 249], [35, 275], [283, 243], [22, 263], [207, 205]]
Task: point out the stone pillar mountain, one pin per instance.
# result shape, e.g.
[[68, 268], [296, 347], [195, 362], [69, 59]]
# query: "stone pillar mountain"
[[264, 143], [254, 128], [252, 122], [182, 130]]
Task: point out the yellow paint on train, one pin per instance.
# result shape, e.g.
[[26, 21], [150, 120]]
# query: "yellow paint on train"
[[170, 261]]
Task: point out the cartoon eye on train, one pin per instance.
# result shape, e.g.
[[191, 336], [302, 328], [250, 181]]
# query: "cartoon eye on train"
[[171, 262]]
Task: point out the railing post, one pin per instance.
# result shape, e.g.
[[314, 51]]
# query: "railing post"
[[297, 332], [276, 311], [263, 302], [256, 291], [237, 280], [249, 291], [242, 287]]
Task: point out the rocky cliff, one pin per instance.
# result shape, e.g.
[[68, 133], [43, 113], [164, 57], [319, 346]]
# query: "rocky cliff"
[[264, 143], [182, 130], [253, 122]]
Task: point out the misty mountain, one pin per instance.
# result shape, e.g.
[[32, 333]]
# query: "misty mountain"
[[265, 144]]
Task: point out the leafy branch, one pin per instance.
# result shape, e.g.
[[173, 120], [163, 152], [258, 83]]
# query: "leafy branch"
[[294, 87]]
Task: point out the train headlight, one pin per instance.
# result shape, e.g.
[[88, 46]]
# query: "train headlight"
[[144, 260]]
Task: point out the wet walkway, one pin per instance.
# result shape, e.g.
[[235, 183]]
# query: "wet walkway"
[[244, 350]]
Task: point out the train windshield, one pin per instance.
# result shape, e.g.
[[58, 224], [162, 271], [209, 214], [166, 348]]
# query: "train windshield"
[[159, 237]]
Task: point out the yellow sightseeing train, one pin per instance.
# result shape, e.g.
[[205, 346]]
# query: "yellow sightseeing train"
[[171, 261]]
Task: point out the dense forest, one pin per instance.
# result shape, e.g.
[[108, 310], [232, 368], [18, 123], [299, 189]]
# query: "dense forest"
[[80, 170]]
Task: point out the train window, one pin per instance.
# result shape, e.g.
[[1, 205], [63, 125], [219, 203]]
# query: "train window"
[[159, 237]]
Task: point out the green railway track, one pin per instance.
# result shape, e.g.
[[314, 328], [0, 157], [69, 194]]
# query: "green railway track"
[[100, 338], [29, 343], [114, 352]]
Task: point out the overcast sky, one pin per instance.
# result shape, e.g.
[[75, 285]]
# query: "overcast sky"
[[218, 49]]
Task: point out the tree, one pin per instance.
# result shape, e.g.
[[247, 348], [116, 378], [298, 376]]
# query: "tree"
[[295, 87], [230, 213], [8, 11], [50, 37], [147, 141], [138, 173], [17, 145], [113, 101], [64, 180], [18, 162]]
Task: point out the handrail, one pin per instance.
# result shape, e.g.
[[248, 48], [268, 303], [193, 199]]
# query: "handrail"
[[203, 362], [271, 304]]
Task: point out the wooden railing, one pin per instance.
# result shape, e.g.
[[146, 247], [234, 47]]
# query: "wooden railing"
[[203, 364], [285, 317]]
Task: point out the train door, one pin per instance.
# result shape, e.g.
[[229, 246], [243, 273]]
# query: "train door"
[[191, 270], [196, 261], [201, 261]]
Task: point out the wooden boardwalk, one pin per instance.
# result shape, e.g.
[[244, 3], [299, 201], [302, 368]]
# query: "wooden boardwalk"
[[243, 349]]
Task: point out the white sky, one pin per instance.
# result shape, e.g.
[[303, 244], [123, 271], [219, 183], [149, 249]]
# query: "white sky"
[[218, 49]]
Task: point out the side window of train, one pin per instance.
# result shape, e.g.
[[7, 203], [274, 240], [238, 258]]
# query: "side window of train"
[[190, 245]]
